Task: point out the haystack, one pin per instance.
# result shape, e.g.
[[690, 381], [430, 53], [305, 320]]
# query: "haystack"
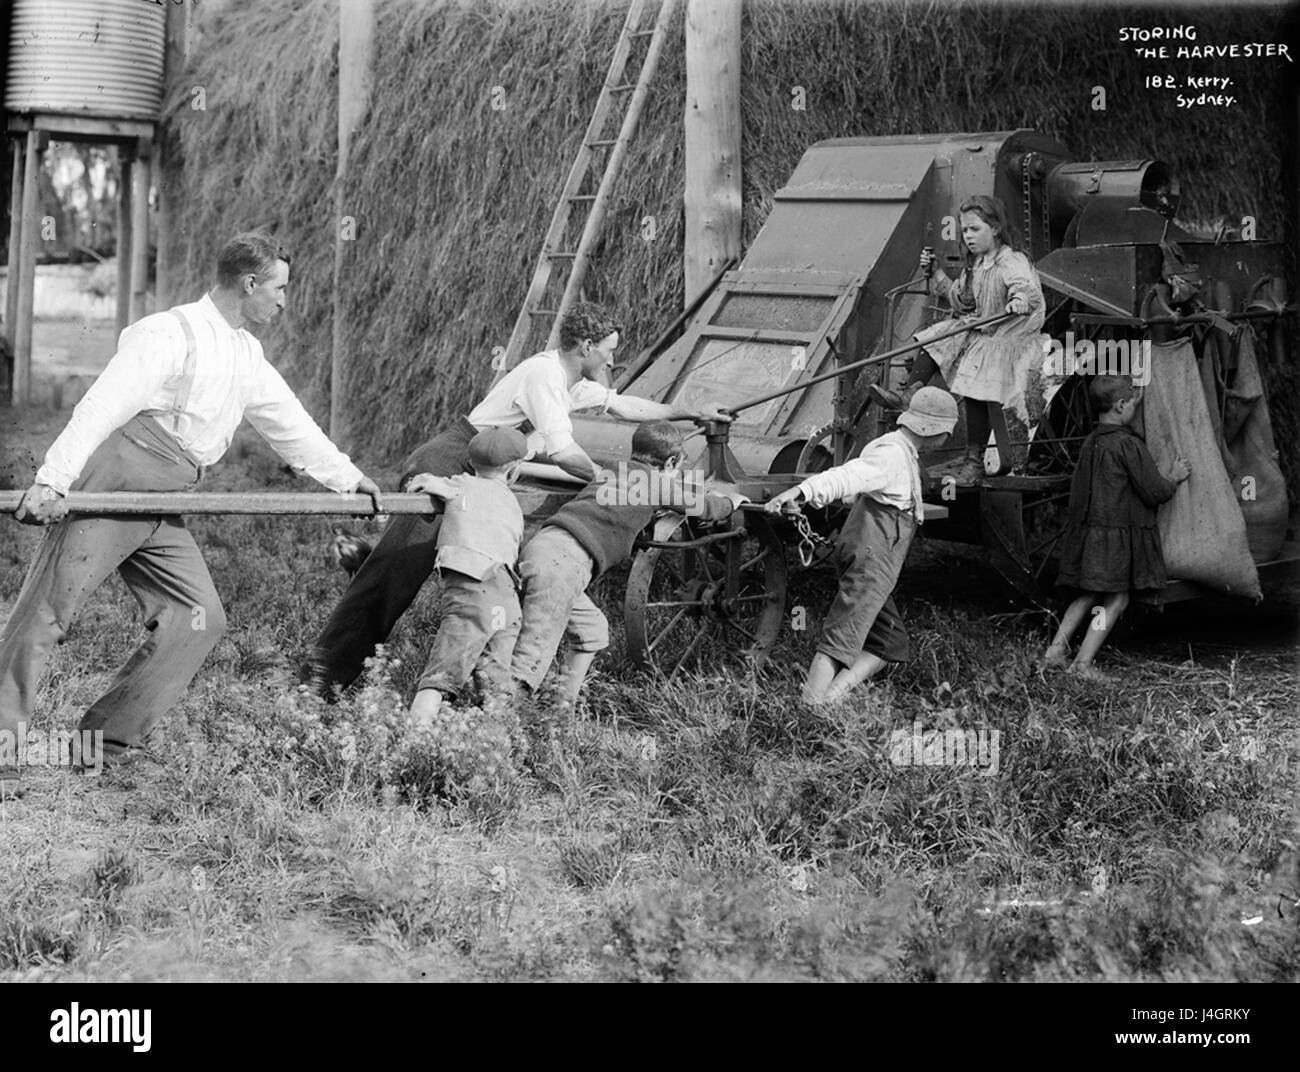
[[451, 196]]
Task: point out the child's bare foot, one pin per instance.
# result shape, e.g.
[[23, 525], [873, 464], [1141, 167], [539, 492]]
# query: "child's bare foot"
[[839, 691], [1090, 673], [424, 708], [1054, 659]]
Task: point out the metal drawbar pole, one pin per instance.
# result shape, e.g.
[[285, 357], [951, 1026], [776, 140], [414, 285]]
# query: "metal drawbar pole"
[[974, 325]]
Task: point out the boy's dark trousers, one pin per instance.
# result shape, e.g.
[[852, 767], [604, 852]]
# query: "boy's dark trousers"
[[392, 574]]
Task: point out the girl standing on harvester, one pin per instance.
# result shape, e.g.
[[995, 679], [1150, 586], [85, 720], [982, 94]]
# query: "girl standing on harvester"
[[980, 366], [1111, 546]]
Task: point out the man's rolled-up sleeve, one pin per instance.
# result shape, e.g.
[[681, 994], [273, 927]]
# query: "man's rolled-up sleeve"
[[673, 492], [588, 394], [273, 409], [149, 354]]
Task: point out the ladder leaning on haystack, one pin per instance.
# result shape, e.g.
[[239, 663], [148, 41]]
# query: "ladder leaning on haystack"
[[573, 199]]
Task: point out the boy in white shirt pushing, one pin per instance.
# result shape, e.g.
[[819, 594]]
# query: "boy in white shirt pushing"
[[863, 629]]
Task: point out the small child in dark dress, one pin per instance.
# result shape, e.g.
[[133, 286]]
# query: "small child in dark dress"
[[1111, 547]]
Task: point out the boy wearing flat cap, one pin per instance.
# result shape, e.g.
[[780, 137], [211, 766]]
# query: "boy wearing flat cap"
[[863, 630], [478, 546]]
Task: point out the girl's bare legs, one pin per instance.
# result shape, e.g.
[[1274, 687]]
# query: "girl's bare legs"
[[1058, 651], [864, 666], [821, 672], [1095, 635]]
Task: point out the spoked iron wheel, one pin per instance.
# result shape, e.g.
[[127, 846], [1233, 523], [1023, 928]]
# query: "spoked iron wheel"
[[720, 593], [1061, 430]]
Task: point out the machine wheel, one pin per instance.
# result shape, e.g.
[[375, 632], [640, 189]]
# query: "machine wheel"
[[727, 594], [1061, 430], [816, 454]]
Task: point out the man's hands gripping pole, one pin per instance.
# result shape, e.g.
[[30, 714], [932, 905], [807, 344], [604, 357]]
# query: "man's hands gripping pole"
[[41, 505], [366, 486]]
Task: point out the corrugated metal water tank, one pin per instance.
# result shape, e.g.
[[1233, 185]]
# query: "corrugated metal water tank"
[[100, 58]]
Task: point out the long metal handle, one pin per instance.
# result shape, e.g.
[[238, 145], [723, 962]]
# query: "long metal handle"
[[643, 359], [888, 356]]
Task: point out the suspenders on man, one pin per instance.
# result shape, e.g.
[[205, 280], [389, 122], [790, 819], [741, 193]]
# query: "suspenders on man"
[[187, 374]]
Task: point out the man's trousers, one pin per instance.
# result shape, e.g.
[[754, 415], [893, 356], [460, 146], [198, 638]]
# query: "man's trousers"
[[161, 565], [392, 574]]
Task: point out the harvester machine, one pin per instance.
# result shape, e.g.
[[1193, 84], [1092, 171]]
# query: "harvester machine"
[[826, 301]]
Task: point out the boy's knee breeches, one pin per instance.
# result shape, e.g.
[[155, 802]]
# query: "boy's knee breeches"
[[478, 618], [556, 570]]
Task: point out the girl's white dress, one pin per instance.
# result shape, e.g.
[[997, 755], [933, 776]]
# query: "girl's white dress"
[[991, 366]]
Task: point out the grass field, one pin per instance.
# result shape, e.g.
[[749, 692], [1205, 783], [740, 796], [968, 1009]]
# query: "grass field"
[[708, 828]]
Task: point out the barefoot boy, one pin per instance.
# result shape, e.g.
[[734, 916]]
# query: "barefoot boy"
[[863, 630], [478, 544]]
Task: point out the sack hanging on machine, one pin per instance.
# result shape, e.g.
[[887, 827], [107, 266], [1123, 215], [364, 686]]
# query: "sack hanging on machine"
[[1250, 452], [1202, 531]]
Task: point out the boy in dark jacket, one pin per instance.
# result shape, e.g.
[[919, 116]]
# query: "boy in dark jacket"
[[584, 538]]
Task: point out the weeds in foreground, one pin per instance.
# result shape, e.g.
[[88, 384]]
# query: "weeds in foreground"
[[703, 828]]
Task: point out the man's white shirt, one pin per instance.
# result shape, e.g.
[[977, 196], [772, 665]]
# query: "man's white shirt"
[[232, 380], [537, 390]]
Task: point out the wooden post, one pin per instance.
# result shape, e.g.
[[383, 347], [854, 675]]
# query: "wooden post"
[[356, 77], [26, 282], [15, 237], [126, 171], [712, 130], [141, 174], [168, 170]]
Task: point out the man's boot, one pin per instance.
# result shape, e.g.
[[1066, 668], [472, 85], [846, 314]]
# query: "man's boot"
[[314, 678]]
